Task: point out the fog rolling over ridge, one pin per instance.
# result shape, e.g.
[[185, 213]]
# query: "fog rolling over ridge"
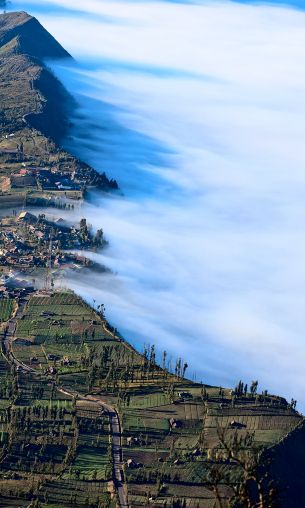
[[198, 110]]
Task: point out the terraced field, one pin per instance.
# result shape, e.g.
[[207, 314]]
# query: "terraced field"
[[174, 432], [6, 309], [6, 380]]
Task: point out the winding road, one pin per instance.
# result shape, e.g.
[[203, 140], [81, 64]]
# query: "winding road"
[[114, 419]]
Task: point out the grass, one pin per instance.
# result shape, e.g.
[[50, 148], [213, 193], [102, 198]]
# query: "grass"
[[148, 400], [92, 463], [6, 309], [26, 354], [67, 323], [54, 403], [62, 491]]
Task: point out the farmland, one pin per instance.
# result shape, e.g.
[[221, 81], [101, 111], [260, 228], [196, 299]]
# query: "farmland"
[[86, 421], [49, 440], [6, 309], [174, 432], [56, 444]]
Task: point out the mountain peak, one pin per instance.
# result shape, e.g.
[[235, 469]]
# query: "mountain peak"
[[10, 20], [24, 34]]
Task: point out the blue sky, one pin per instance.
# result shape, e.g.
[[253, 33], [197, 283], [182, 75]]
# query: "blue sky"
[[38, 7]]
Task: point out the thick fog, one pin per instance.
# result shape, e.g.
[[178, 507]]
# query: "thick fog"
[[198, 110]]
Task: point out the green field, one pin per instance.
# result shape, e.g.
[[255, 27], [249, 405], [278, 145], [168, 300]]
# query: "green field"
[[170, 426], [6, 309]]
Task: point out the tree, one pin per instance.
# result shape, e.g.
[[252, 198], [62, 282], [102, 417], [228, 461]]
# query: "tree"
[[253, 487], [253, 388], [99, 237], [164, 360], [84, 231]]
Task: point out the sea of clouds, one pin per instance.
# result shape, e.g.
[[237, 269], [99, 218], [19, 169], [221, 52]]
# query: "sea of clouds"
[[198, 109]]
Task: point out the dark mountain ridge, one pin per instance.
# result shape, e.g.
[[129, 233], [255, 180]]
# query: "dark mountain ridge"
[[45, 448], [29, 92], [29, 37]]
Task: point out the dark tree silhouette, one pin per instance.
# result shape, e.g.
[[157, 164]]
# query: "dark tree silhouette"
[[253, 486]]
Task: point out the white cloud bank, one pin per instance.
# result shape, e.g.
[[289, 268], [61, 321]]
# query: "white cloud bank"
[[202, 115]]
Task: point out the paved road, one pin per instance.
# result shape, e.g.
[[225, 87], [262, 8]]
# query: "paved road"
[[114, 419], [9, 335], [117, 454]]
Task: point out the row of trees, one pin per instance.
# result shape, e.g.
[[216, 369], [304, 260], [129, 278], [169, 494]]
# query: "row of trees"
[[242, 388]]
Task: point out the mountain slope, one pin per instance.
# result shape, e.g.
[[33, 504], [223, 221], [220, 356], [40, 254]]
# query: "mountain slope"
[[85, 419], [33, 103], [25, 31], [29, 92]]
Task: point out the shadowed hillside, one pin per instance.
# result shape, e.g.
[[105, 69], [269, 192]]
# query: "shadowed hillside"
[[29, 92], [287, 466], [19, 32], [86, 420], [35, 107]]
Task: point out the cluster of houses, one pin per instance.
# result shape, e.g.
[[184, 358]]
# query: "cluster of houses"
[[11, 286], [44, 179], [23, 180], [29, 241], [65, 362], [14, 251], [46, 172], [10, 155], [49, 180]]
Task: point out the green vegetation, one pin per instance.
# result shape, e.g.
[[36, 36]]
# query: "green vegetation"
[[6, 309], [176, 435], [85, 420], [53, 448]]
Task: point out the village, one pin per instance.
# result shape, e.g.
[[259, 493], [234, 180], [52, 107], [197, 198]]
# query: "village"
[[32, 244], [33, 171], [21, 173]]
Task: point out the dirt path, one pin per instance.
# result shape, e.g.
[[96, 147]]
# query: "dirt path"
[[9, 335]]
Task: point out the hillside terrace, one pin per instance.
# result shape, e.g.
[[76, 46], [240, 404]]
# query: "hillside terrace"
[[32, 164]]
